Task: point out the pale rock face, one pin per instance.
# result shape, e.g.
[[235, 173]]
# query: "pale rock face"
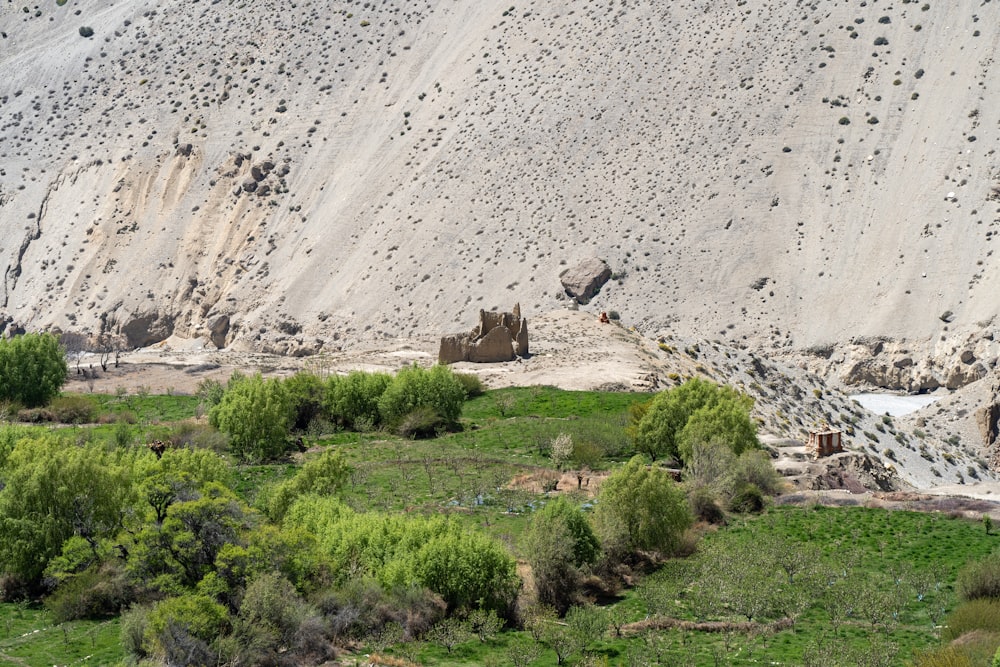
[[379, 172]]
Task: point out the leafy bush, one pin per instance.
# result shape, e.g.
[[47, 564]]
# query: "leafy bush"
[[271, 619], [705, 505], [196, 435], [32, 369], [471, 383], [133, 632], [421, 422], [256, 414], [100, 591], [181, 627], [748, 498], [640, 507], [558, 541], [353, 400], [980, 614], [465, 568], [209, 392], [980, 579], [753, 468], [414, 387], [306, 393], [73, 409], [324, 475], [362, 608]]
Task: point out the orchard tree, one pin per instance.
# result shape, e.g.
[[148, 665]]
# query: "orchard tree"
[[256, 414], [32, 369], [640, 507]]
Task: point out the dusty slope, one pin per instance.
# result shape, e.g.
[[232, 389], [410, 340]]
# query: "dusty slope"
[[433, 158]]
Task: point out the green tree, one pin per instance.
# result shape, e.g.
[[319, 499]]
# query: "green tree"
[[353, 400], [305, 394], [32, 369], [640, 507], [175, 554], [713, 412], [52, 492], [414, 388], [324, 475], [726, 421], [558, 542], [256, 414]]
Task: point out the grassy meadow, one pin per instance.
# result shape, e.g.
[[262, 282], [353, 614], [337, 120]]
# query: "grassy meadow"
[[489, 474]]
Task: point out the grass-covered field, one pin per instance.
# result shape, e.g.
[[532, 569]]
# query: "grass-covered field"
[[912, 556], [28, 636]]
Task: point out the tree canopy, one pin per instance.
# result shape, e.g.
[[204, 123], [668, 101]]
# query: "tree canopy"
[[640, 507], [696, 411], [32, 369]]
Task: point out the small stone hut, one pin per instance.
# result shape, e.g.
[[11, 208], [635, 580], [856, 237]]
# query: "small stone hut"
[[824, 443], [497, 337]]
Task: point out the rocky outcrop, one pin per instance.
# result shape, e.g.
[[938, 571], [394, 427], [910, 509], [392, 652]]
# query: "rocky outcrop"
[[583, 281], [147, 328], [498, 337], [988, 420], [856, 472], [218, 329]]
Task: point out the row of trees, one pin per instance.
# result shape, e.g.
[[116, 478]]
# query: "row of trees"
[[259, 414]]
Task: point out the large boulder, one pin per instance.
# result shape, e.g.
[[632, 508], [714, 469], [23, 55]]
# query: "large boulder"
[[583, 281], [149, 328], [218, 329]]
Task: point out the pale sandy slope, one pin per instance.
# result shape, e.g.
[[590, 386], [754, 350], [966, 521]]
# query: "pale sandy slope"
[[455, 154]]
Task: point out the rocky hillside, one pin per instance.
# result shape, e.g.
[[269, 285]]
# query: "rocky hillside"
[[814, 178]]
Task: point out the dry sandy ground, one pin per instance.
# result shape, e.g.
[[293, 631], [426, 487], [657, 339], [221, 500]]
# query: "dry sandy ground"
[[569, 349]]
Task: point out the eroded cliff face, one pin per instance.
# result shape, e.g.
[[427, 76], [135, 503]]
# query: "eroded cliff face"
[[291, 177]]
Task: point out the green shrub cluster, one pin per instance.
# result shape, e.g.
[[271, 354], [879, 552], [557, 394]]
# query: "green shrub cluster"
[[32, 369], [465, 568], [257, 415]]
